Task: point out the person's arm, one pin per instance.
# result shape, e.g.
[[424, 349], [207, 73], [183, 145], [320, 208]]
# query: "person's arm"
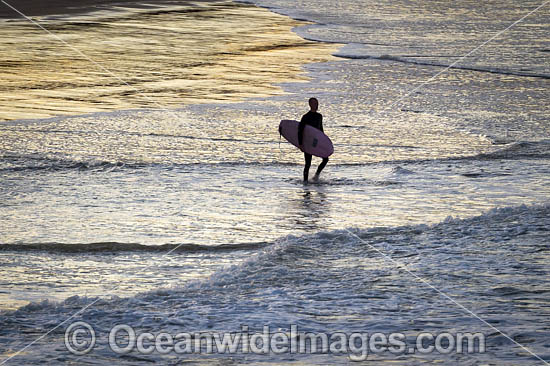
[[321, 122], [301, 127]]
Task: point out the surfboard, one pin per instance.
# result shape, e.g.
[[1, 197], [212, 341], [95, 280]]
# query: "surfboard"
[[315, 141]]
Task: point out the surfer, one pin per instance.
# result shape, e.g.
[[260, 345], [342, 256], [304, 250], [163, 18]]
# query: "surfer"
[[314, 119]]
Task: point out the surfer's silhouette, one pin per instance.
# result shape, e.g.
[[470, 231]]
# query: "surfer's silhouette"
[[314, 119]]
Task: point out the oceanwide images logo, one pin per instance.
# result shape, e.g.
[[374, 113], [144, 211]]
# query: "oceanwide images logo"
[[80, 339]]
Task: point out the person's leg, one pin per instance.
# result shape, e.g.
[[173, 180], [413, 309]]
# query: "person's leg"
[[321, 167], [307, 158]]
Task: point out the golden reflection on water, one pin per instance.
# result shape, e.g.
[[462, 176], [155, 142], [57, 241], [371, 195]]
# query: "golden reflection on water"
[[178, 55]]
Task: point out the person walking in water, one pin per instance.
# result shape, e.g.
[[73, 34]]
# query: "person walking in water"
[[314, 119]]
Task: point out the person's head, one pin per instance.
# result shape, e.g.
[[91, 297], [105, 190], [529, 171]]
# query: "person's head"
[[313, 104]]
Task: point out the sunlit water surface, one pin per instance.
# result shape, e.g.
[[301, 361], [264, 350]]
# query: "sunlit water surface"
[[195, 218]]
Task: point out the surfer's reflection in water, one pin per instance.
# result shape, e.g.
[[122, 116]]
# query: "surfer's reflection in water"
[[314, 119], [313, 206]]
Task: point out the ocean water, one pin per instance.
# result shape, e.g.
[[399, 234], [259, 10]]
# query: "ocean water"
[[171, 203]]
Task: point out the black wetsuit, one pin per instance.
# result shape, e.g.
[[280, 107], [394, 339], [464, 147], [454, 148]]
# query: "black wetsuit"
[[313, 119]]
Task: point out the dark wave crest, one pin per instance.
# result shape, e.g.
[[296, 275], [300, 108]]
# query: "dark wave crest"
[[115, 247], [441, 64], [17, 163]]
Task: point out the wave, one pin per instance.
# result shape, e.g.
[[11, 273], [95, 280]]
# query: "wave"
[[334, 281], [274, 264], [116, 247], [519, 150], [355, 50], [136, 134], [17, 163], [295, 258], [343, 53]]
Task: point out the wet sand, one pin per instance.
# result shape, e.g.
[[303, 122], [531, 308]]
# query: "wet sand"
[[50, 7]]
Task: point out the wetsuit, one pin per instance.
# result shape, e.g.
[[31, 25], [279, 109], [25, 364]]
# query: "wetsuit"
[[313, 119]]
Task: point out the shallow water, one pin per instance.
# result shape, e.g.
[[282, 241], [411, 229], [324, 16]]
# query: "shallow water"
[[195, 218]]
